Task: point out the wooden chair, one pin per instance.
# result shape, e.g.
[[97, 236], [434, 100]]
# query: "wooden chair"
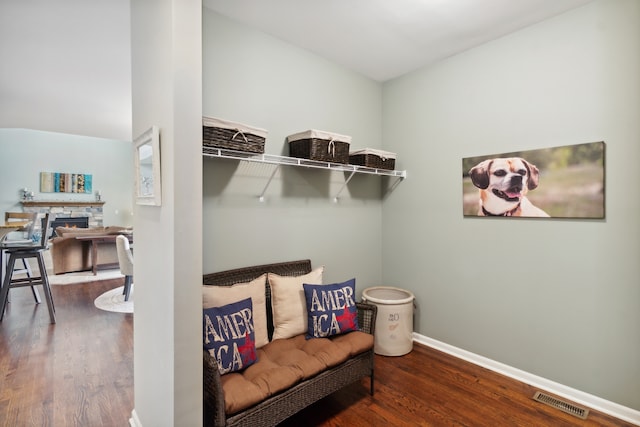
[[24, 251], [31, 218], [22, 217], [125, 259]]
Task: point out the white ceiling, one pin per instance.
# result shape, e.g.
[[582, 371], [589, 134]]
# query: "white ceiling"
[[383, 39]]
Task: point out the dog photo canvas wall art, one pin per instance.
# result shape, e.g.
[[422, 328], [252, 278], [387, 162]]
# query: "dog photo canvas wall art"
[[558, 182]]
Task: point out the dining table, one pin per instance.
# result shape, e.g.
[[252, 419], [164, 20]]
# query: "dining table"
[[94, 241]]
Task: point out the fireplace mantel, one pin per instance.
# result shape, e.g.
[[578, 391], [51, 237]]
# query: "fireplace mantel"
[[37, 203]]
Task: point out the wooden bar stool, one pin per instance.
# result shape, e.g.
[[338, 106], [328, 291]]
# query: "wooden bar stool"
[[23, 252], [31, 218]]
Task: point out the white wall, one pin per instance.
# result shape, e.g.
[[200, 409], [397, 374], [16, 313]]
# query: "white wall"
[[167, 82], [557, 298], [26, 153], [256, 79], [66, 67]]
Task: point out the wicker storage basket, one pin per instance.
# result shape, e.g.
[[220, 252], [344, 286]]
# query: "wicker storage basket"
[[320, 145], [373, 158], [218, 133]]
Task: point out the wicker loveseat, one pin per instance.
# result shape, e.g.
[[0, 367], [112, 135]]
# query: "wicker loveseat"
[[282, 403]]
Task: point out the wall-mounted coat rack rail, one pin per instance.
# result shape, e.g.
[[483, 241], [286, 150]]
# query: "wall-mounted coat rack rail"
[[298, 162]]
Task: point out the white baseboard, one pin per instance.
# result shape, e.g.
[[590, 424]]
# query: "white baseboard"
[[134, 421], [611, 408]]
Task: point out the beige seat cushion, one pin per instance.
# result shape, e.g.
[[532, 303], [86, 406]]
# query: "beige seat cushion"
[[288, 302], [284, 363]]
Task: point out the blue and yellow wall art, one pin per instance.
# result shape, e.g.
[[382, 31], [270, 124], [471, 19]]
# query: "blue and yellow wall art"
[[58, 182]]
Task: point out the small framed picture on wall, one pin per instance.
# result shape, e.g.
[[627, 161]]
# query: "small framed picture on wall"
[[147, 168]]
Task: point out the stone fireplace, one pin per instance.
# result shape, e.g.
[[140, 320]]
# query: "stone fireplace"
[[68, 211]]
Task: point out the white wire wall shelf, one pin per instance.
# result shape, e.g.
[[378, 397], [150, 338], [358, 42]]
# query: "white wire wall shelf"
[[299, 162]]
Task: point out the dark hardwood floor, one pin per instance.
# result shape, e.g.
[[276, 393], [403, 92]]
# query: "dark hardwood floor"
[[431, 388], [80, 373]]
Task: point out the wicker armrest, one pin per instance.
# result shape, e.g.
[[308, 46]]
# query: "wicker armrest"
[[214, 413], [367, 317]]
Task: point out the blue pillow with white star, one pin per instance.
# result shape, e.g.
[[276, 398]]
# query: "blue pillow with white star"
[[331, 309]]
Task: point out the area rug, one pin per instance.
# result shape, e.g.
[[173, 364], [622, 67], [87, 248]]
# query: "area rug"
[[77, 277], [83, 277], [113, 300]]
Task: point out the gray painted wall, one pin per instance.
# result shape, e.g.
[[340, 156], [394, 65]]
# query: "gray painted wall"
[[557, 298], [26, 153], [253, 78]]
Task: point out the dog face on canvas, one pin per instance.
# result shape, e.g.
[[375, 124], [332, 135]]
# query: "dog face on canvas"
[[503, 184]]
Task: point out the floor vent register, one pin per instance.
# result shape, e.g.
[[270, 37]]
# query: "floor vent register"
[[562, 405]]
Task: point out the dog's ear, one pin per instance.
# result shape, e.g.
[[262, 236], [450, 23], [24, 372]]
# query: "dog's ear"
[[534, 175], [480, 174]]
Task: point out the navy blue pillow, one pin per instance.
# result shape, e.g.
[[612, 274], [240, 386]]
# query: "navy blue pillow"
[[229, 335], [331, 309]]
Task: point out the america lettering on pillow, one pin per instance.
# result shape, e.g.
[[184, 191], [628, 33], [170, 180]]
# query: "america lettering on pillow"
[[229, 335], [331, 309]]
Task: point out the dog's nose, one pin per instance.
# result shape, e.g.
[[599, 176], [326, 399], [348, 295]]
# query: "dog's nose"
[[516, 180]]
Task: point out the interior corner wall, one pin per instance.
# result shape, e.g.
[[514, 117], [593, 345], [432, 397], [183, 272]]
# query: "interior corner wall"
[[167, 92], [252, 78], [556, 298], [28, 152]]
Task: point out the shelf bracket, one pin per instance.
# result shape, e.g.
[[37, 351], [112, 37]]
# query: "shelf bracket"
[[261, 197], [335, 199]]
